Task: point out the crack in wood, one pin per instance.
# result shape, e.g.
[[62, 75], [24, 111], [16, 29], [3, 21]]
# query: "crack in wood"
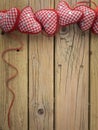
[[69, 65], [60, 67], [78, 80]]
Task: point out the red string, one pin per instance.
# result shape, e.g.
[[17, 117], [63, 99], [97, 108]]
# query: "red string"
[[12, 77]]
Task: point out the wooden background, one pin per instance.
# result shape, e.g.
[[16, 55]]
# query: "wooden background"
[[57, 85]]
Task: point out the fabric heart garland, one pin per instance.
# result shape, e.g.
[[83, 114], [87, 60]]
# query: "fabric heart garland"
[[49, 20]]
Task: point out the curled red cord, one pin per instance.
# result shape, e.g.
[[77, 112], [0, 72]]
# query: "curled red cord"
[[12, 77]]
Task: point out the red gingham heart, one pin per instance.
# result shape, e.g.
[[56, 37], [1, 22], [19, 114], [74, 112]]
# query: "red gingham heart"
[[95, 25], [28, 22], [9, 19], [67, 15], [48, 19], [88, 19]]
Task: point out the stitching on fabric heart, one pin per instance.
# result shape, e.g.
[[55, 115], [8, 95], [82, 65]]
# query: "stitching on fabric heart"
[[67, 15], [48, 19], [9, 19], [28, 22]]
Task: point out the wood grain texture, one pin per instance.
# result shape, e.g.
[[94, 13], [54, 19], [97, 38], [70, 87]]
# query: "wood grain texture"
[[19, 115], [41, 77], [94, 81], [71, 79]]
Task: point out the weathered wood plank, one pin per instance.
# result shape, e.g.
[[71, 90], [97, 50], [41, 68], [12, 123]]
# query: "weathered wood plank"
[[41, 77], [19, 115], [71, 79], [94, 81]]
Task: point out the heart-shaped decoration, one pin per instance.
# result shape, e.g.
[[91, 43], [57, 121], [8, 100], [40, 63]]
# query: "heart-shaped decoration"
[[28, 22], [95, 25], [9, 19], [88, 19], [48, 19], [67, 15]]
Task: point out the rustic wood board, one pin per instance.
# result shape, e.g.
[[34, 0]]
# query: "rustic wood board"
[[94, 81], [41, 50], [71, 79], [94, 84], [19, 114]]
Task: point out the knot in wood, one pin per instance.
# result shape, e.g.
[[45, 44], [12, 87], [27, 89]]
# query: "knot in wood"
[[64, 29], [18, 50], [40, 111], [2, 33], [81, 66]]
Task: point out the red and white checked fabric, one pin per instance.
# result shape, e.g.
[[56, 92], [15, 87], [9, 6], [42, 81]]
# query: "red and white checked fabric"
[[67, 15], [95, 25], [9, 19], [88, 19], [28, 22], [48, 19]]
